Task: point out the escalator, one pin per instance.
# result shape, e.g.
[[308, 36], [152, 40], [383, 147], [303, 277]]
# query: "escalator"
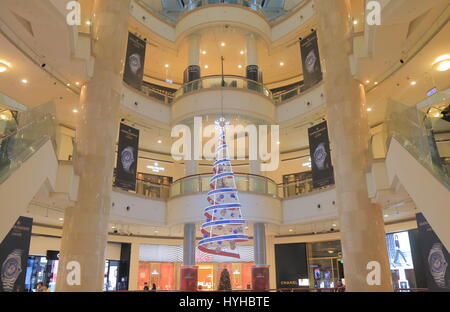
[[27, 163], [415, 162]]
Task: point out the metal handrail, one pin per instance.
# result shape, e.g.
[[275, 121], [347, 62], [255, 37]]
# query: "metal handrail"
[[16, 131]]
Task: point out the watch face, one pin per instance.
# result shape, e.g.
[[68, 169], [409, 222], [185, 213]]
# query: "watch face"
[[310, 61], [437, 262], [11, 268], [135, 62], [320, 153], [127, 158]]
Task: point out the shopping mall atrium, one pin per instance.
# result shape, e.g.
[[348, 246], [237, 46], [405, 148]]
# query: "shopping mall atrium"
[[244, 145]]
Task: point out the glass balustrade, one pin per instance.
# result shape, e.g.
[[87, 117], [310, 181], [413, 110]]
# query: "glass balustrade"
[[244, 183], [412, 128], [215, 82], [34, 128]]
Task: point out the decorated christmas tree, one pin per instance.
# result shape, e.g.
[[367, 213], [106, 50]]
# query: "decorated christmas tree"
[[224, 226], [225, 282]]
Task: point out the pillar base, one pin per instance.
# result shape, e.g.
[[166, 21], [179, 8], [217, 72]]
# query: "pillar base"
[[260, 278], [188, 278]]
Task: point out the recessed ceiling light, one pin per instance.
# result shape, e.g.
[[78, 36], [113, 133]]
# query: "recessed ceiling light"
[[334, 224], [367, 81], [24, 81], [355, 22], [242, 52], [278, 142], [166, 65], [386, 215], [156, 164], [290, 230], [77, 83], [413, 83], [156, 232], [281, 63], [442, 63], [61, 219], [74, 110], [239, 66], [376, 83], [369, 109], [206, 66], [68, 84], [88, 22], [203, 52], [159, 141], [222, 44]]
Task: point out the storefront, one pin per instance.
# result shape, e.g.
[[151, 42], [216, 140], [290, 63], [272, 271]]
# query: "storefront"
[[160, 265], [325, 267]]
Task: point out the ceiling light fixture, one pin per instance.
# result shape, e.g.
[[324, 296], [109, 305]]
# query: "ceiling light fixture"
[[74, 110], [159, 141], [222, 44], [375, 83], [24, 81], [239, 66], [203, 52], [166, 66], [88, 22], [242, 52], [290, 230], [281, 63], [367, 81], [4, 66], [77, 83], [355, 22], [413, 83], [206, 66], [369, 109], [386, 215], [442, 63]]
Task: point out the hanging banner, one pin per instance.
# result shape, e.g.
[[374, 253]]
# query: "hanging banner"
[[435, 256], [14, 256], [312, 71], [319, 146], [134, 64], [127, 157]]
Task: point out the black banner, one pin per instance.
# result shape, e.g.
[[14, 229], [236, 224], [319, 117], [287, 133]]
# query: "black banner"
[[319, 146], [252, 72], [290, 265], [127, 157], [435, 256], [14, 256], [312, 71], [134, 64]]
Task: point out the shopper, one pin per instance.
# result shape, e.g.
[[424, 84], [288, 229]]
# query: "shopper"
[[153, 287], [340, 287], [45, 289], [146, 287], [39, 287]]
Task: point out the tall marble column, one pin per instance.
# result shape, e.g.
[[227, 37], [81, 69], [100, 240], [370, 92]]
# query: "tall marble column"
[[260, 271], [189, 272], [252, 52], [85, 236], [193, 69], [361, 224]]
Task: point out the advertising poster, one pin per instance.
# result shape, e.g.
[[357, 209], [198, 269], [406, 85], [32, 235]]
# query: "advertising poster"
[[401, 260], [319, 146], [312, 71], [290, 264], [14, 256], [134, 63], [127, 157], [435, 256]]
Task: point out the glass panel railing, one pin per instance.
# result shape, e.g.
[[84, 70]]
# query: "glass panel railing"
[[215, 82], [244, 183], [152, 190], [155, 94], [412, 128], [296, 188], [35, 127]]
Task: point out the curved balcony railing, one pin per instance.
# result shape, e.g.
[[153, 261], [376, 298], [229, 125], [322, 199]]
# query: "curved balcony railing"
[[228, 81], [244, 183]]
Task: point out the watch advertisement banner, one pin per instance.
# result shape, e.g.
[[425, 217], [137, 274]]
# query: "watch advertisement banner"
[[127, 157], [14, 256], [319, 146], [312, 71], [435, 256], [134, 64]]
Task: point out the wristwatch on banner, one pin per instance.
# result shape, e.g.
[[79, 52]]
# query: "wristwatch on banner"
[[11, 269], [135, 62], [310, 61], [127, 158], [438, 265], [320, 154]]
